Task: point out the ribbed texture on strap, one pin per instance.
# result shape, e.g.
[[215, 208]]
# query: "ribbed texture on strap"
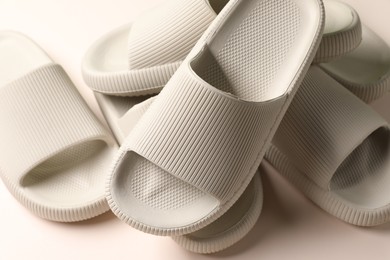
[[190, 116], [42, 114], [166, 34], [131, 83], [315, 133], [368, 92], [331, 115], [337, 44]]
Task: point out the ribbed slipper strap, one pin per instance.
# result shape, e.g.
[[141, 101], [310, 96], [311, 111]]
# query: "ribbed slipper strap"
[[204, 136], [157, 44], [322, 127], [41, 115]]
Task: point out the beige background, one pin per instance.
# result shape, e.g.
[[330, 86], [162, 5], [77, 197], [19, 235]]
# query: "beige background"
[[290, 227]]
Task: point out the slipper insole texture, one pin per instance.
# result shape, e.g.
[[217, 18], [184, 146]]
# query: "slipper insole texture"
[[141, 187], [64, 178]]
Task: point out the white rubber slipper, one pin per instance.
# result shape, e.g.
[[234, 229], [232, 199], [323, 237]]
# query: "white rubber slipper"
[[232, 226], [336, 150], [54, 151], [195, 150], [366, 70], [139, 58]]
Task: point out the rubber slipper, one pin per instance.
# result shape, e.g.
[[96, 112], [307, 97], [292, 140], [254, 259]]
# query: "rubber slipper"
[[232, 226], [366, 70], [54, 150], [336, 150], [201, 126], [139, 58]]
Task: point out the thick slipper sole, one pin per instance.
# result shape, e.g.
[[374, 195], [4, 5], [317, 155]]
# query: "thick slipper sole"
[[230, 227], [366, 70], [105, 62], [139, 58], [342, 32]]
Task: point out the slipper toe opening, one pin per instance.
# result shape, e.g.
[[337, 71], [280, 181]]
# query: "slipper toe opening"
[[71, 178], [364, 177], [154, 198]]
